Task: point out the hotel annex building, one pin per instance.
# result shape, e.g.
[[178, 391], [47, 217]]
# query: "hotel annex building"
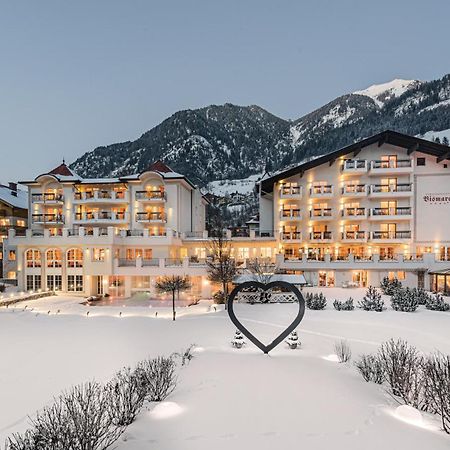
[[379, 207]]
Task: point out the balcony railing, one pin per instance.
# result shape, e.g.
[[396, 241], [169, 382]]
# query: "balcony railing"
[[241, 232], [321, 212], [47, 198], [291, 235], [354, 165], [321, 190], [353, 212], [100, 195], [400, 211], [150, 217], [290, 191], [47, 218], [151, 195], [393, 164], [100, 216], [354, 235], [264, 233], [354, 189], [387, 188], [320, 235], [290, 213], [391, 234]]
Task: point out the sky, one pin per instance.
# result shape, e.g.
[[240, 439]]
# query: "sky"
[[80, 74]]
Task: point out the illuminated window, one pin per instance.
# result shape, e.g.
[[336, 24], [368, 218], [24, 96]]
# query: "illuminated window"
[[75, 257], [401, 275], [98, 254], [12, 255], [54, 257], [75, 283], [20, 223], [33, 258]]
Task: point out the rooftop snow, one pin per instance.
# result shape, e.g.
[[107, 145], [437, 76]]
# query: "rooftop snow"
[[21, 201]]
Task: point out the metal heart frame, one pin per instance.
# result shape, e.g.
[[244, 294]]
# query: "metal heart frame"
[[265, 287]]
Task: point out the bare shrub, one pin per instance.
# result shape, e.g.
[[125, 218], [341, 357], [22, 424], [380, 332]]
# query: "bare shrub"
[[126, 397], [186, 355], [371, 368], [436, 376], [402, 365], [343, 351], [157, 377]]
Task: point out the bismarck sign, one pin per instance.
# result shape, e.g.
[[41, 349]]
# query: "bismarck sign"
[[437, 199]]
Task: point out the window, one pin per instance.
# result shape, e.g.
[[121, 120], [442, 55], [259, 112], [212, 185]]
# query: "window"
[[75, 283], [401, 275], [12, 255], [75, 257], [11, 275], [33, 258], [20, 223], [54, 282], [98, 254], [420, 162], [33, 282], [54, 257]]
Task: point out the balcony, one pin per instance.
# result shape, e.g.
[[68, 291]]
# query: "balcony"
[[290, 214], [354, 166], [47, 198], [151, 196], [150, 217], [103, 196], [47, 219], [400, 213], [354, 236], [354, 213], [291, 236], [321, 214], [391, 236], [321, 191], [291, 192], [390, 190], [321, 236], [398, 167], [101, 217], [354, 190]]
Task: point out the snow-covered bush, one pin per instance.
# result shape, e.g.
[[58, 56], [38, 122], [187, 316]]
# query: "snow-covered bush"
[[219, 298], [436, 377], [346, 305], [343, 351], [388, 287], [2, 287], [421, 295], [80, 418], [404, 300], [371, 368], [315, 301], [371, 301], [437, 303], [402, 368], [157, 377], [126, 397]]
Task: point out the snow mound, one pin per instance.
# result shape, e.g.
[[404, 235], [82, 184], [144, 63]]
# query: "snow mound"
[[380, 93]]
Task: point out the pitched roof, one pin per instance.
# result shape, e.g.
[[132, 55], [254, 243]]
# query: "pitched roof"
[[62, 169], [159, 166], [411, 143], [16, 199]]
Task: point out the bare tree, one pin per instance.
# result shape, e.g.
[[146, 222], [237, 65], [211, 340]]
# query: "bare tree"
[[262, 269], [221, 266], [173, 284]]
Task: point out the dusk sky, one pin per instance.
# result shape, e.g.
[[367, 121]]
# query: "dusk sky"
[[76, 75]]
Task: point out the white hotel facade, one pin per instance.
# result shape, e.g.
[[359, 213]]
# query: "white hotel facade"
[[380, 207]]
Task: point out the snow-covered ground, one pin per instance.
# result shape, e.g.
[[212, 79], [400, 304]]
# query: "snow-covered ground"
[[226, 398], [226, 187]]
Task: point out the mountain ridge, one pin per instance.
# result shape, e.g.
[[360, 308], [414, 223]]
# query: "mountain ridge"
[[219, 142]]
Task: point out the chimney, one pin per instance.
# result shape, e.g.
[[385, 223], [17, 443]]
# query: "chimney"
[[13, 186]]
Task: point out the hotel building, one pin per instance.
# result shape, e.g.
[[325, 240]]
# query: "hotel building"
[[379, 207]]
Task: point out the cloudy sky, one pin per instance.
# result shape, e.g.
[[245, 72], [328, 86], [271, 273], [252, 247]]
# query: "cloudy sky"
[[76, 75]]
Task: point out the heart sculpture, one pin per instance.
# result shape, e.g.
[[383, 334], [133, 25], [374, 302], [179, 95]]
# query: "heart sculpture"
[[265, 287]]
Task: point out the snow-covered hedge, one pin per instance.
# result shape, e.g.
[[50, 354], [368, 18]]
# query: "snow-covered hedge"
[[315, 301]]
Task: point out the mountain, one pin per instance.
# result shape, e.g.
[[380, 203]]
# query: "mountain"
[[225, 142]]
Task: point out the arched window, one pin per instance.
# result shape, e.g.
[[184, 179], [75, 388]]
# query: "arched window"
[[33, 258], [54, 257], [75, 257]]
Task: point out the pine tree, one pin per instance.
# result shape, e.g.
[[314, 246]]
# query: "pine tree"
[[445, 140], [372, 301], [437, 303], [404, 300]]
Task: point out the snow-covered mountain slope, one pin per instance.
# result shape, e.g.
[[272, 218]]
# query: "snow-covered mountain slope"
[[381, 93], [222, 188], [228, 142]]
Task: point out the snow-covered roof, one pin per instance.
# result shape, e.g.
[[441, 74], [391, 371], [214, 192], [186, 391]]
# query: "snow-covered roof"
[[19, 201], [289, 278]]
